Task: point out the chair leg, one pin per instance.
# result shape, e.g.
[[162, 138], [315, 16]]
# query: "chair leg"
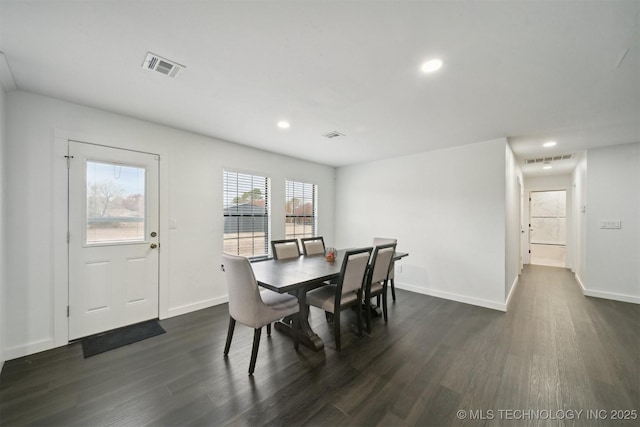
[[336, 328], [269, 330], [384, 303], [368, 314], [393, 290], [296, 331], [254, 352], [232, 325], [359, 316]]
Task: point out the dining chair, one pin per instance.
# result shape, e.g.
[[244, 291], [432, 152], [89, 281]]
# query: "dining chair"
[[377, 278], [312, 245], [283, 249], [384, 241], [252, 307], [347, 292]]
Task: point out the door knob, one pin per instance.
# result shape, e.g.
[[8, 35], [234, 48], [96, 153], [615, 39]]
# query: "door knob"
[[153, 246]]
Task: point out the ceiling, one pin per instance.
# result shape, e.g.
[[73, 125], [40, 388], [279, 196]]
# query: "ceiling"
[[528, 71]]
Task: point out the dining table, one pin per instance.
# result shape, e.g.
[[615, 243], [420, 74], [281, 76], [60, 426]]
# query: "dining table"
[[297, 276]]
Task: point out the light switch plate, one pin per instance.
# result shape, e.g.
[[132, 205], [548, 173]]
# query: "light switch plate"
[[610, 224]]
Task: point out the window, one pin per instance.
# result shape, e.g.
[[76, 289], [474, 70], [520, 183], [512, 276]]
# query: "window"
[[300, 210], [115, 203], [246, 214]]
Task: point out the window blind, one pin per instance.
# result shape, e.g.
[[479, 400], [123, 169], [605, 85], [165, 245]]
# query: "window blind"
[[301, 215], [246, 214]]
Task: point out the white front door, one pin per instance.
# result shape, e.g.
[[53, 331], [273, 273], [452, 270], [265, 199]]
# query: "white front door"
[[113, 238]]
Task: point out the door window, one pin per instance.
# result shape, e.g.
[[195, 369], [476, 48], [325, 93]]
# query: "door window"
[[115, 203]]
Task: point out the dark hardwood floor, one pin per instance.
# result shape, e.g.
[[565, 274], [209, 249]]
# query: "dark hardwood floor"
[[553, 354]]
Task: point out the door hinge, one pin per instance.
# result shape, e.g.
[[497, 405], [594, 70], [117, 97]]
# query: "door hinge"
[[68, 161], [68, 237], [67, 311], [529, 250]]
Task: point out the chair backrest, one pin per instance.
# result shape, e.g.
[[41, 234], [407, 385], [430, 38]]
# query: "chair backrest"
[[381, 262], [245, 302], [312, 245], [283, 249], [377, 241], [353, 271]]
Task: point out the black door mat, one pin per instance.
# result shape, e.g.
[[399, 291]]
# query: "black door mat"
[[97, 344]]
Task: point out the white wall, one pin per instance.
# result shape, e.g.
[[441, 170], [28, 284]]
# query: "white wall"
[[3, 191], [446, 208], [613, 193], [513, 206], [190, 192], [552, 183]]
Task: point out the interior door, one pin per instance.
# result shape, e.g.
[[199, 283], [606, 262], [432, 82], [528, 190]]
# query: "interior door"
[[113, 238], [547, 235]]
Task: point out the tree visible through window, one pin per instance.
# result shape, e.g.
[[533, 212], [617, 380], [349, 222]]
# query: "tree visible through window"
[[246, 214], [300, 210]]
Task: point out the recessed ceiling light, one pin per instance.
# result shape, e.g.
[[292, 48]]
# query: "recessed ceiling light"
[[283, 124], [431, 66], [547, 167], [549, 144]]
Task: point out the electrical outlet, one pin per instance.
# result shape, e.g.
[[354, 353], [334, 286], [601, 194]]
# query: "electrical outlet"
[[613, 224]]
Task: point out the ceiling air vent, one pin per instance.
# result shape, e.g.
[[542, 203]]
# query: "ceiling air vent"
[[157, 63], [549, 159], [333, 135]]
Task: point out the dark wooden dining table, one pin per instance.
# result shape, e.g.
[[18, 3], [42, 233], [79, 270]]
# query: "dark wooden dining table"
[[297, 276]]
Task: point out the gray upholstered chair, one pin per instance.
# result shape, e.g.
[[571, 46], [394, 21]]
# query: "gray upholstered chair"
[[252, 307], [283, 249], [377, 278], [312, 245], [347, 292], [384, 241]]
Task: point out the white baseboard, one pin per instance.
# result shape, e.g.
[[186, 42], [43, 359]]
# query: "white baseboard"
[[612, 296], [48, 344], [607, 295], [511, 292], [188, 308], [29, 348], [579, 280], [453, 297]]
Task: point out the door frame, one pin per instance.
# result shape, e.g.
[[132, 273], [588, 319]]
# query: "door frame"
[[566, 232], [528, 188], [120, 310], [60, 222]]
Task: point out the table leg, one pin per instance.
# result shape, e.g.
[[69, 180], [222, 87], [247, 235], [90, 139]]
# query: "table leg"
[[307, 336]]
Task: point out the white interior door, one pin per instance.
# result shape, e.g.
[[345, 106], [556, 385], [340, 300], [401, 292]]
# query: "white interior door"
[[113, 238], [547, 235]]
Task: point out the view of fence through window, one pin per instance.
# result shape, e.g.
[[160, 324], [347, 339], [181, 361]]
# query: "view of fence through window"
[[300, 210], [115, 203], [246, 214]]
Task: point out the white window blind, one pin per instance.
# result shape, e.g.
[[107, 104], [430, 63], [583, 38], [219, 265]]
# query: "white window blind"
[[301, 215], [246, 214]]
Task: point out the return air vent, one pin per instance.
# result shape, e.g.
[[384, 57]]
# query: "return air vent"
[[549, 159], [333, 135], [157, 63]]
